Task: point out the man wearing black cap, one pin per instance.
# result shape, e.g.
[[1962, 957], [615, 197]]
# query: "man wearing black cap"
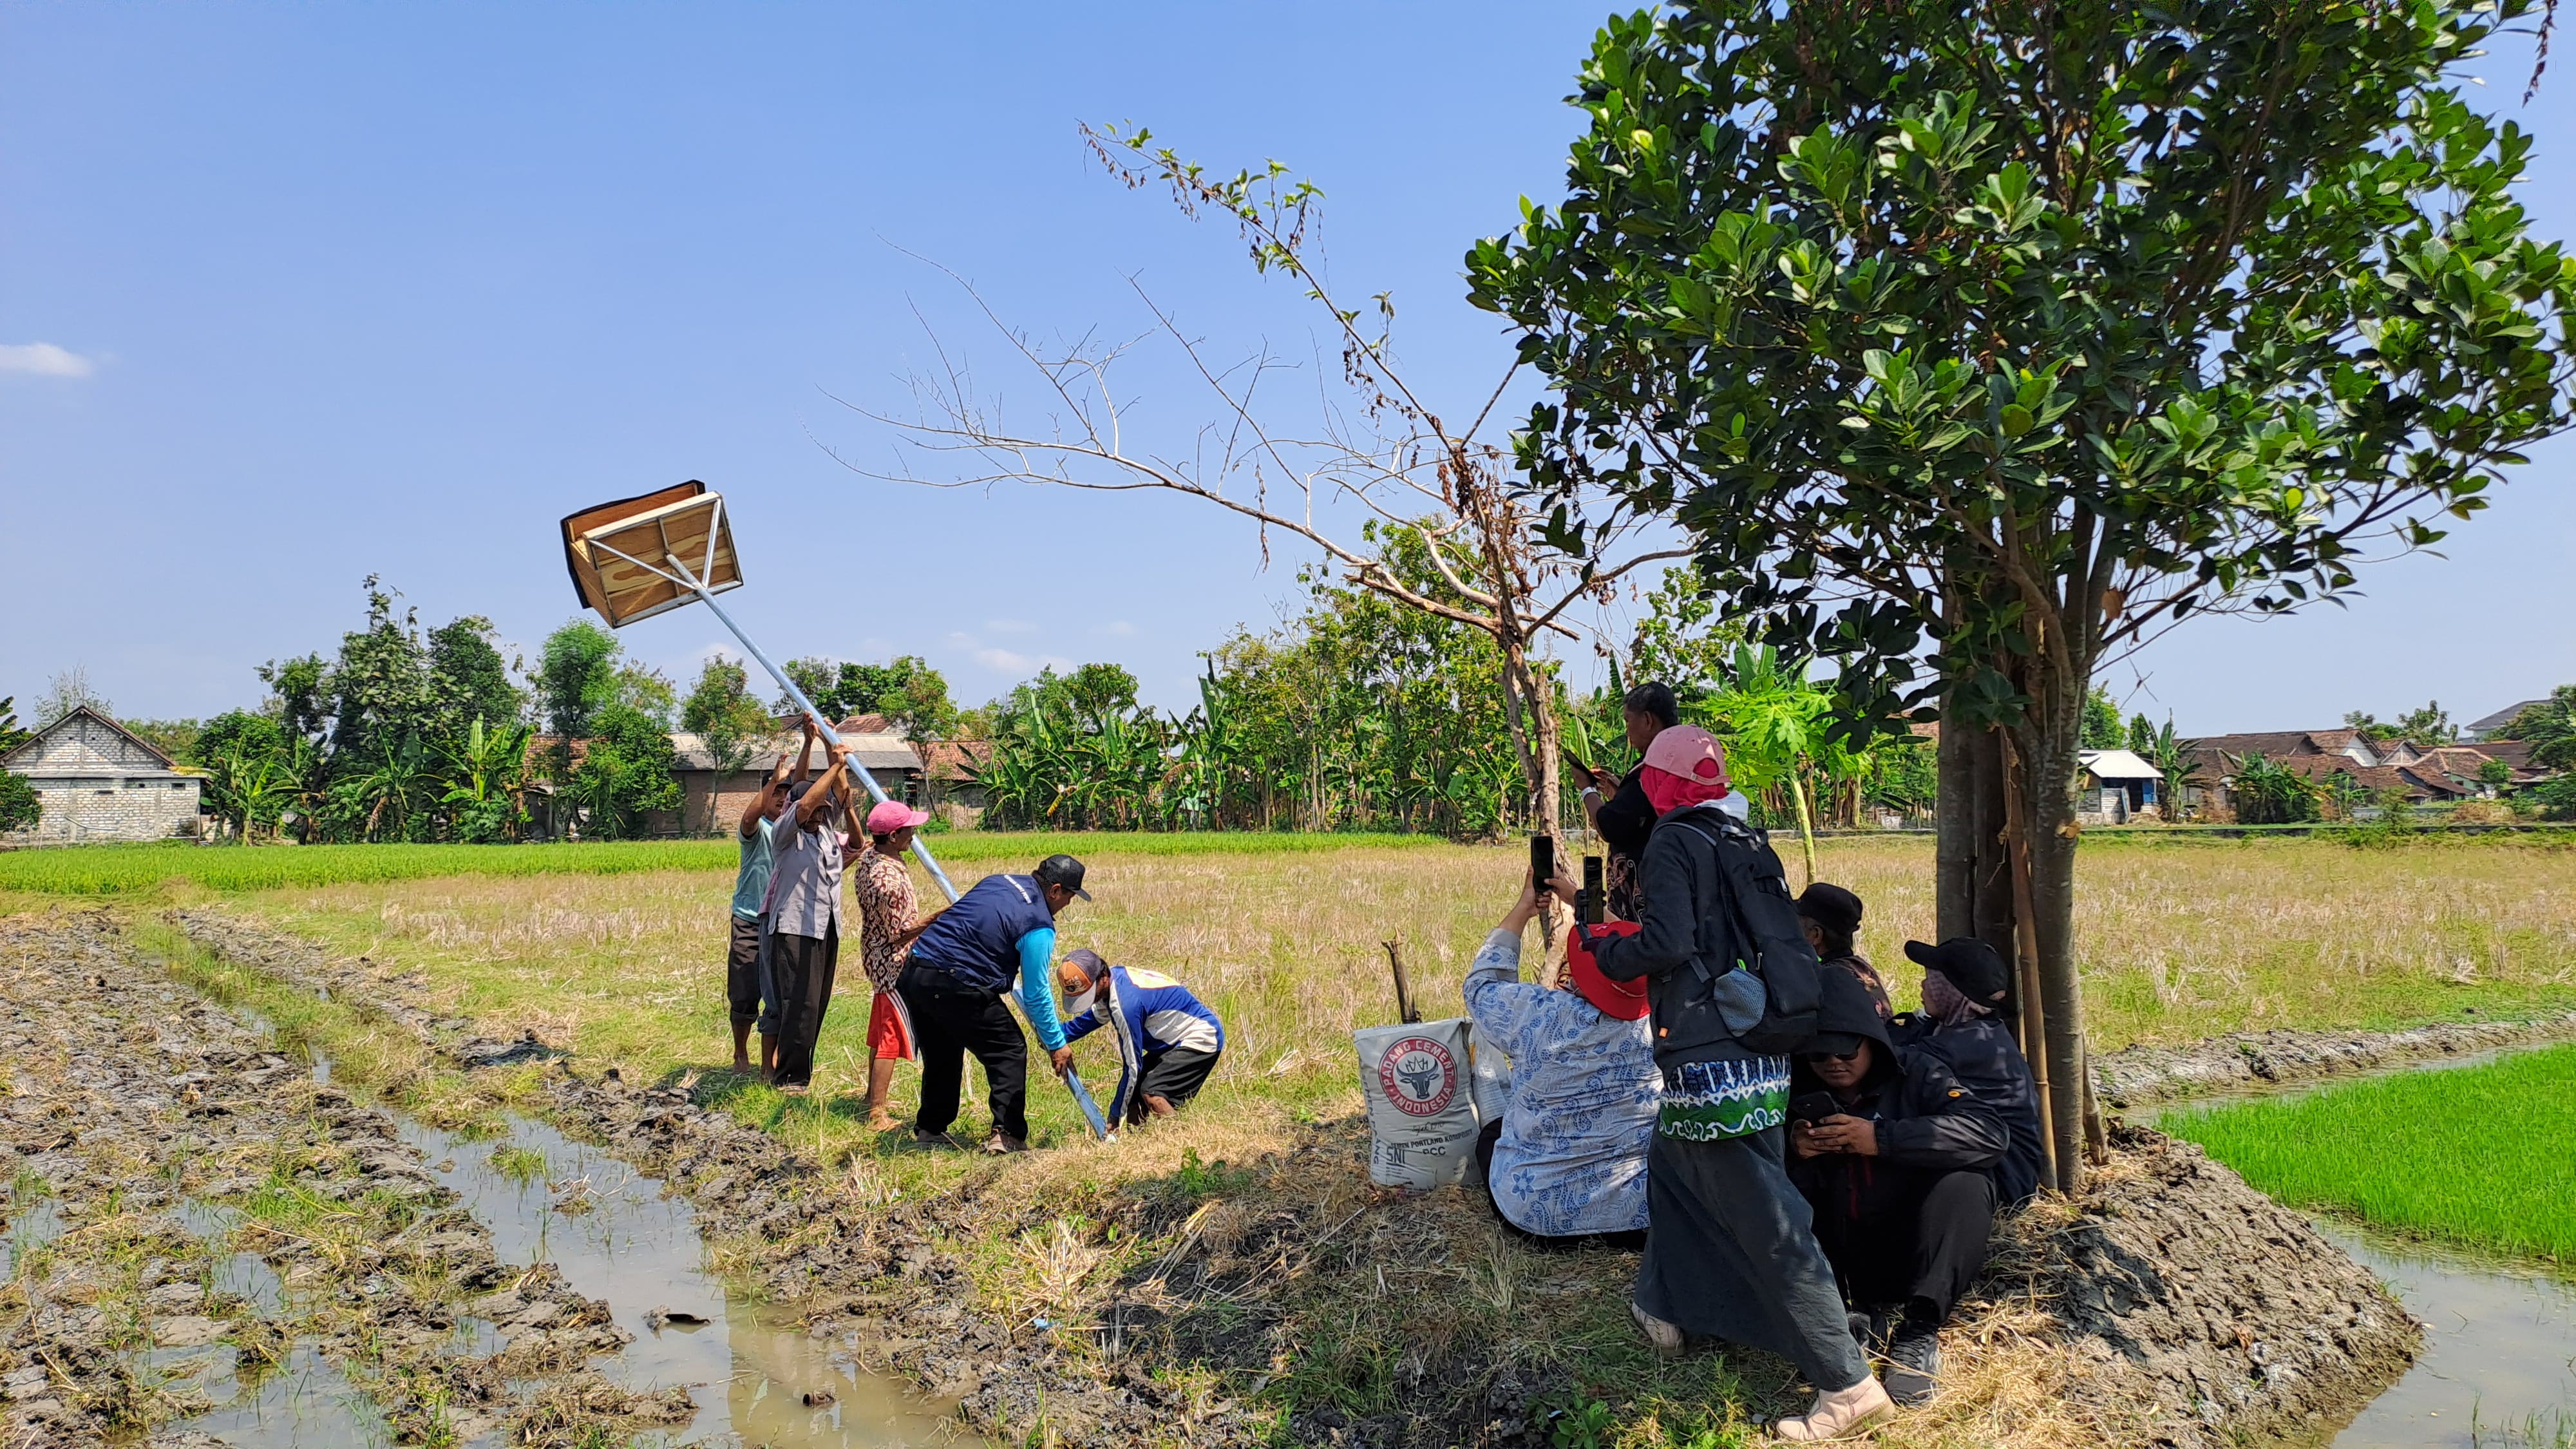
[[1965, 1021], [1830, 915], [1892, 1152], [964, 960]]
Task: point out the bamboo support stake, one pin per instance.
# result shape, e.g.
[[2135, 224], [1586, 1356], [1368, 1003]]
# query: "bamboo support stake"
[[1404, 1007], [2034, 1013]]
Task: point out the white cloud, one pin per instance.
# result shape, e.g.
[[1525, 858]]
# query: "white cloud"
[[1010, 626], [1004, 660], [43, 359], [1117, 627]]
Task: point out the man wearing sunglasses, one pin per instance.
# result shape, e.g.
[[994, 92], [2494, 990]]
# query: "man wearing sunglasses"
[[1891, 1152]]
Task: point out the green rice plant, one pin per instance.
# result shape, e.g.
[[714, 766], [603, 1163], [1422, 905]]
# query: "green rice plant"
[[2471, 1155], [522, 1165], [102, 870]]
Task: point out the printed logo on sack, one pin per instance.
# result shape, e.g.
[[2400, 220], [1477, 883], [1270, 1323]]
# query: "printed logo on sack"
[[1418, 1075]]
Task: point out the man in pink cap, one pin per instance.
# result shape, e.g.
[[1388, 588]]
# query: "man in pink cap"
[[888, 908]]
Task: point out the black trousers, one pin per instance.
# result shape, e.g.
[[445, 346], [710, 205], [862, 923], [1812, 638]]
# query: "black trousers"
[[1633, 1240], [950, 1020], [1919, 1245], [801, 969], [742, 971], [1175, 1076]]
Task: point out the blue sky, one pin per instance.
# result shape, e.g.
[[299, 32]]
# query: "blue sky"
[[291, 295]]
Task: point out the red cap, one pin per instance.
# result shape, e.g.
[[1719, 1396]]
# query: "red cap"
[[1619, 1000]]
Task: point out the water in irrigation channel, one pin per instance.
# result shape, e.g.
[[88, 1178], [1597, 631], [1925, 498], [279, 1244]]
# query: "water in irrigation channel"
[[2499, 1364], [637, 1247], [627, 1242]]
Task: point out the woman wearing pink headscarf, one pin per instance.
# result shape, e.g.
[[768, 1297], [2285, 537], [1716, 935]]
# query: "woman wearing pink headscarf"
[[1730, 1252]]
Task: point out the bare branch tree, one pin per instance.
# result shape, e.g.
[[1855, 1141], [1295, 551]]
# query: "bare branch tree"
[[1370, 441]]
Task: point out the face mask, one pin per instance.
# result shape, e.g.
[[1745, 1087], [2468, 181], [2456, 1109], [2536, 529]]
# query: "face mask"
[[1945, 1002], [1077, 1005]]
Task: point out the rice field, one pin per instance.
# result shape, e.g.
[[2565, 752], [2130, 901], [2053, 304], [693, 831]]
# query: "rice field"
[[108, 870], [2482, 1156], [1282, 933]]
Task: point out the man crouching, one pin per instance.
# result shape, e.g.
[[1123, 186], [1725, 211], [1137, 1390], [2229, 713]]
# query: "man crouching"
[[1168, 1039]]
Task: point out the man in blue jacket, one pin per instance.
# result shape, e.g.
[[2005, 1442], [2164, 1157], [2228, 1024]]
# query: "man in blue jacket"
[[998, 936], [1168, 1039]]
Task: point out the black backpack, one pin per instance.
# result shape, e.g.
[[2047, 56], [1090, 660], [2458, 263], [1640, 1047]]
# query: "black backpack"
[[1755, 929]]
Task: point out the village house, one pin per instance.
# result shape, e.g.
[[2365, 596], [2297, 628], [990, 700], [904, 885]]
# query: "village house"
[[953, 784], [2114, 785], [2346, 763], [98, 781], [713, 799]]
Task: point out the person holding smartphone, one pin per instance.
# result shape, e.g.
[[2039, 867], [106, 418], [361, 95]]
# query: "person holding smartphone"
[[1616, 806], [1892, 1153], [1565, 1162]]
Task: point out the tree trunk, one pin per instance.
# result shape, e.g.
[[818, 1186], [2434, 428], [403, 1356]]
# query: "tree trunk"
[[1532, 716], [1806, 822], [1974, 881], [1972, 872], [2048, 803]]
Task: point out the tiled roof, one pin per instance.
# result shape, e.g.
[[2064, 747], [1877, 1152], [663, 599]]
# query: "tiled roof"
[[956, 759]]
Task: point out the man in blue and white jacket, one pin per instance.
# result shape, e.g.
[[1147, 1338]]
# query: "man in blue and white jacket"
[[1168, 1040]]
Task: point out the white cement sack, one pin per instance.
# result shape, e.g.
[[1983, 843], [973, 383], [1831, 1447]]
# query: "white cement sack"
[[1420, 1083]]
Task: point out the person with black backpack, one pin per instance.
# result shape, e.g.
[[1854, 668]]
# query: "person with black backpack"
[[1733, 989]]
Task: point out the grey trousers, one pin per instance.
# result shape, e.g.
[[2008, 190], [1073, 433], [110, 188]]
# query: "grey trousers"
[[1730, 1254]]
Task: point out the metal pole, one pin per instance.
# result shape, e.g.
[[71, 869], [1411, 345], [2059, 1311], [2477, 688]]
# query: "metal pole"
[[920, 847]]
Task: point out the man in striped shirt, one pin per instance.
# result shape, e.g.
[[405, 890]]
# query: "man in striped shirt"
[[1168, 1039]]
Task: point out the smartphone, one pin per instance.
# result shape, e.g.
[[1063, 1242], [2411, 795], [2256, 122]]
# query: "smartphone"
[[1814, 1107], [1593, 910], [1542, 859], [1579, 765]]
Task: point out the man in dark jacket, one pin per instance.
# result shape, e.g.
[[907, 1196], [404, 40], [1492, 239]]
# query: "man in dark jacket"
[[996, 940], [1896, 1172], [1966, 1021]]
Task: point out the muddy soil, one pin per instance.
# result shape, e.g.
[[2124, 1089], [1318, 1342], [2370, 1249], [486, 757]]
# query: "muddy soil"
[[188, 1209], [2223, 1315], [2254, 1061], [2178, 1306], [871, 1275]]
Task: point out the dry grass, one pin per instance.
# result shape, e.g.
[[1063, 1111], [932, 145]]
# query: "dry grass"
[[2180, 941], [1274, 1266]]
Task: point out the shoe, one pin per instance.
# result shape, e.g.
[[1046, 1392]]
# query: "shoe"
[[1000, 1144], [1838, 1415], [1666, 1337], [937, 1141], [1914, 1366], [1870, 1330]]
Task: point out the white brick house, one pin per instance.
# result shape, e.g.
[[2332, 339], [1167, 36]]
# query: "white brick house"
[[100, 782]]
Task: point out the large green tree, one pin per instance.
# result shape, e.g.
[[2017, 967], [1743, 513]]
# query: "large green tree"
[[1975, 343]]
